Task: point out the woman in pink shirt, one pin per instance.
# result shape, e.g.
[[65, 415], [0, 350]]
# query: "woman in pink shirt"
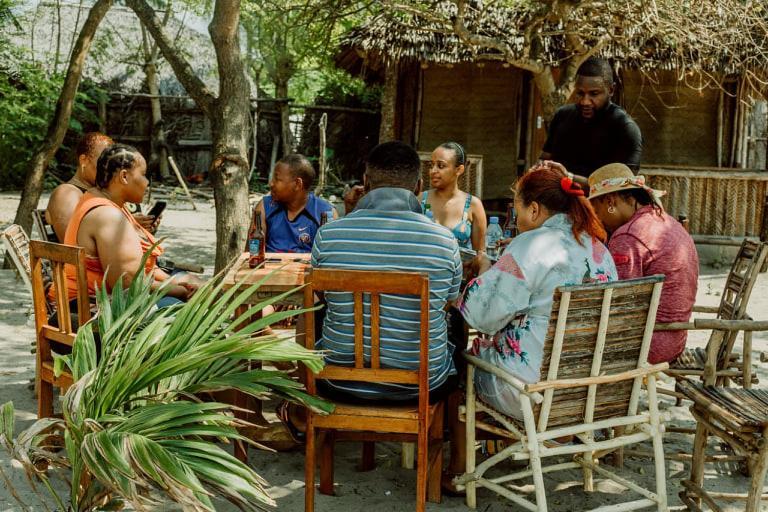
[[644, 241]]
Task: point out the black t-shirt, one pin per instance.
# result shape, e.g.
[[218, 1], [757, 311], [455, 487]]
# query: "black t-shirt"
[[585, 145]]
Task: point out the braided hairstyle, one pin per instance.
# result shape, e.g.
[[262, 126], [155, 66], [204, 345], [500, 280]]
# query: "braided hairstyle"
[[114, 159]]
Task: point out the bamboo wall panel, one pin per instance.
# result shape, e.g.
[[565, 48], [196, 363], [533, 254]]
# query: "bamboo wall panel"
[[717, 203], [478, 108]]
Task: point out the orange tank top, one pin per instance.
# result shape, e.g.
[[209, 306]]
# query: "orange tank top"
[[94, 272]]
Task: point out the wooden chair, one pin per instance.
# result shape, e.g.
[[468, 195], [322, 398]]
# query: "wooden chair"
[[739, 417], [731, 318], [594, 365], [16, 244], [43, 227], [379, 421], [64, 332]]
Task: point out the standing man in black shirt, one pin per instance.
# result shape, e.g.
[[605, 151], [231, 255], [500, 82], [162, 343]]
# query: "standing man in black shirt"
[[593, 132]]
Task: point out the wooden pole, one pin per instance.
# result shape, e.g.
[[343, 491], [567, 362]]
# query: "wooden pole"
[[323, 126], [181, 180]]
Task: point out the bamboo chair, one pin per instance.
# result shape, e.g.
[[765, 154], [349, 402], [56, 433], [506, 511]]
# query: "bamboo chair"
[[731, 318], [43, 227], [16, 244], [379, 421], [594, 366], [739, 417], [64, 334]]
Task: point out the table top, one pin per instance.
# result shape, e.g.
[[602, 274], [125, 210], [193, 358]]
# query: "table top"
[[285, 271]]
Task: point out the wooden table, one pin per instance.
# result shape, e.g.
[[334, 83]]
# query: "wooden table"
[[281, 272], [284, 272]]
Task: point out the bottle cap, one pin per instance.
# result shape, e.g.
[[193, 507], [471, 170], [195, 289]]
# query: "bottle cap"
[[493, 220]]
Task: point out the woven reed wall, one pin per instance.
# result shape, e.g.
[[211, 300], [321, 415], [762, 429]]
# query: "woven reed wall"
[[722, 203]]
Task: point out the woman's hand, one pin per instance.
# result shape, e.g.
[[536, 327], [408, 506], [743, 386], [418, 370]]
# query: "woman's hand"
[[482, 263], [148, 222], [188, 282]]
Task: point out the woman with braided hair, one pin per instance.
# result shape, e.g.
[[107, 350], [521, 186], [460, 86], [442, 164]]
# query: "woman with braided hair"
[[113, 240]]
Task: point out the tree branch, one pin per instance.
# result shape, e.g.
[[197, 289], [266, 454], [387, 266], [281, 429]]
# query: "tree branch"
[[194, 86]]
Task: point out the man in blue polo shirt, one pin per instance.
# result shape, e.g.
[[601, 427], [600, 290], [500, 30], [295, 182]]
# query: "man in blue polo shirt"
[[291, 214], [387, 231]]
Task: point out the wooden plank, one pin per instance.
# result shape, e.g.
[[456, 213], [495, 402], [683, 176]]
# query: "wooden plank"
[[369, 375]]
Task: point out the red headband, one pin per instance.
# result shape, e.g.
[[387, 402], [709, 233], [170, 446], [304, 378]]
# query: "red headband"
[[571, 188]]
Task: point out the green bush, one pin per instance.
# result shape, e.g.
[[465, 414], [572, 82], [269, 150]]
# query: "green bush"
[[28, 95]]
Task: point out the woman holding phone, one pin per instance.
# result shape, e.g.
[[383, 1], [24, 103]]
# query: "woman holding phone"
[[114, 241]]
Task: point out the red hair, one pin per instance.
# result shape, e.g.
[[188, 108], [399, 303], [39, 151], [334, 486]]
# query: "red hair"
[[544, 186], [89, 141]]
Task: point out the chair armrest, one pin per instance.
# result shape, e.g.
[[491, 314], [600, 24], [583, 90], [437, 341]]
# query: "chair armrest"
[[600, 379], [746, 324], [505, 376], [706, 309]]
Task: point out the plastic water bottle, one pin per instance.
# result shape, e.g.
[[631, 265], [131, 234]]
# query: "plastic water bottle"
[[492, 237], [430, 215]]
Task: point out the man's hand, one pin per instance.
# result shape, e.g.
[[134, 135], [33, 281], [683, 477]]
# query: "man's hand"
[[148, 222], [351, 196]]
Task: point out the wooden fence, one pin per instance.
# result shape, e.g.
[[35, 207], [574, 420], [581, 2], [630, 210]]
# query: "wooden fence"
[[722, 205]]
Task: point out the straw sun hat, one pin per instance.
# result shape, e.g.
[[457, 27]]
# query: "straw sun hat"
[[617, 177]]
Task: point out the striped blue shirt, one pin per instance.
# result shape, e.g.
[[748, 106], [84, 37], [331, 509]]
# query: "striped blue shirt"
[[387, 231]]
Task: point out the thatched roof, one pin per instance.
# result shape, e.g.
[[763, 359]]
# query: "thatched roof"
[[681, 38]]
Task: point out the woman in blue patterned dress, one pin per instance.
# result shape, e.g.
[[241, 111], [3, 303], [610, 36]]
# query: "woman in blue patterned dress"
[[560, 243]]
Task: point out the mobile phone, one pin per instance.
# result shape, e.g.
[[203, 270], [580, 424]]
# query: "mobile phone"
[[157, 209]]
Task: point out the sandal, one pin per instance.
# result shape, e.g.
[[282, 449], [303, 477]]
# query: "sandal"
[[283, 414], [448, 487]]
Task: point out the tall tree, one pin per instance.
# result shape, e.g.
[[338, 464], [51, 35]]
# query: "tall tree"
[[289, 36], [551, 38], [57, 129], [228, 113]]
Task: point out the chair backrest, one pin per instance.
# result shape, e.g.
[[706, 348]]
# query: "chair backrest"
[[472, 179], [58, 256], [16, 242], [597, 330], [738, 289], [366, 288], [43, 227]]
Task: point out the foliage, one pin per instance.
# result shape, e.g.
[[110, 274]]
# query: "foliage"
[[26, 90], [134, 427], [341, 89]]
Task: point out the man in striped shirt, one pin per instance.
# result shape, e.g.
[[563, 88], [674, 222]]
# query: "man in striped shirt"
[[387, 231]]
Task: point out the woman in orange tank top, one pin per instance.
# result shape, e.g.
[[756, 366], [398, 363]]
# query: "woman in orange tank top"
[[114, 242]]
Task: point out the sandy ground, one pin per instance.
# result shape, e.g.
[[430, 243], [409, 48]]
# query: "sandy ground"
[[191, 237]]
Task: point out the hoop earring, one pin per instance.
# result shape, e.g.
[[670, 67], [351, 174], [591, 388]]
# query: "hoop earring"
[[611, 209]]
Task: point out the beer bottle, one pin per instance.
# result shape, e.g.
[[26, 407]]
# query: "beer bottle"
[[510, 226], [256, 242], [324, 218]]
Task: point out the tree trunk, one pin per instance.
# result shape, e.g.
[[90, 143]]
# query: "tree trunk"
[[57, 129], [389, 104], [281, 92], [229, 115], [553, 95], [229, 126], [158, 144]]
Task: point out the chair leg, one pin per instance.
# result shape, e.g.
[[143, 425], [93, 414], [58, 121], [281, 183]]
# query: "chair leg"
[[435, 461], [422, 463], [368, 461], [309, 467], [747, 360], [470, 412], [589, 483], [327, 444], [699, 455], [758, 478], [44, 399]]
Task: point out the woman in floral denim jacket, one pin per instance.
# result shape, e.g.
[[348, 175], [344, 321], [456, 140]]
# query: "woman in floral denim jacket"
[[561, 242]]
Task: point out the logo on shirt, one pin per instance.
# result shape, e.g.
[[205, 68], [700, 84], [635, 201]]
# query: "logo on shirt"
[[304, 237]]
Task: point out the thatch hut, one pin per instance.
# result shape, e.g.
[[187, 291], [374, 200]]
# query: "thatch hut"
[[436, 88]]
